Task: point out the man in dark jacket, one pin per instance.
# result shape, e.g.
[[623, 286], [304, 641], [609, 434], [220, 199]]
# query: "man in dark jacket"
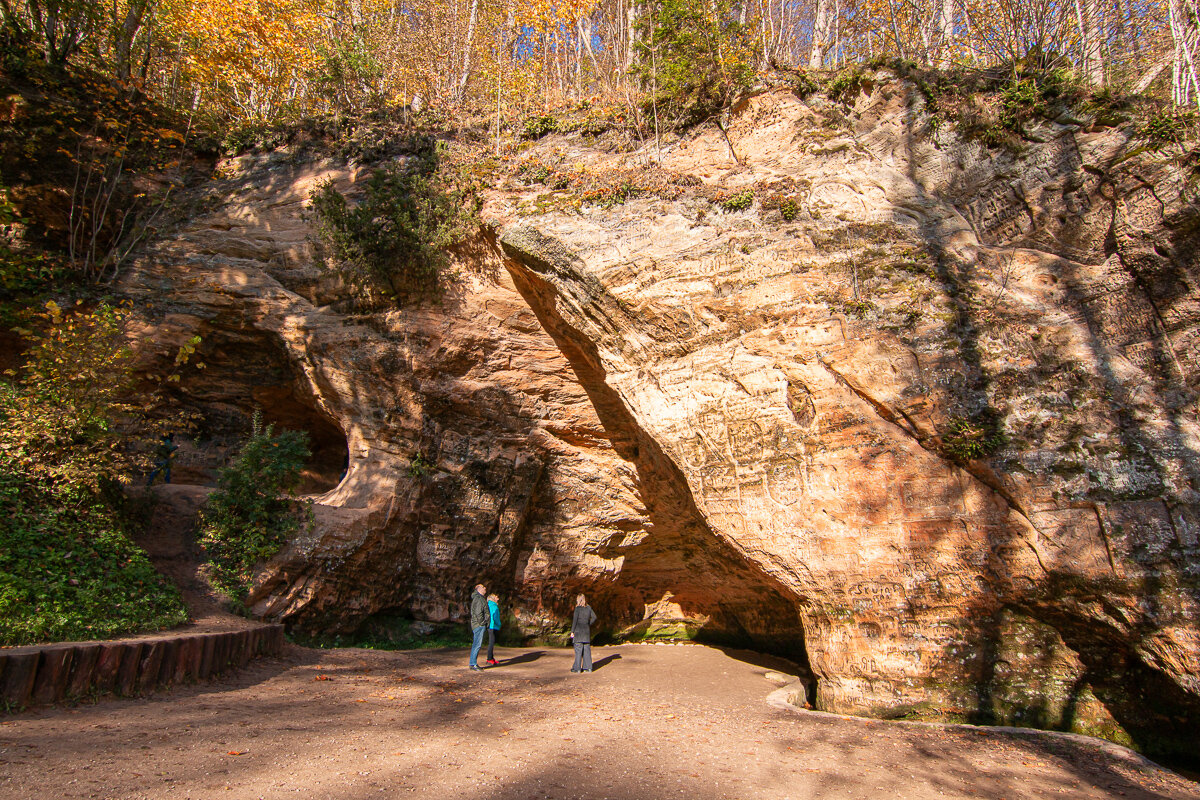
[[479, 621], [581, 634]]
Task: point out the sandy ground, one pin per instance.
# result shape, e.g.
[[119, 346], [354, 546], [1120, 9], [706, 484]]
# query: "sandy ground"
[[652, 722]]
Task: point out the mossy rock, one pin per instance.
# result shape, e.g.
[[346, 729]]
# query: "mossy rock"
[[660, 630]]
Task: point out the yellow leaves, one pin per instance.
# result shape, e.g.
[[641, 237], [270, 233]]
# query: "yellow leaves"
[[248, 51]]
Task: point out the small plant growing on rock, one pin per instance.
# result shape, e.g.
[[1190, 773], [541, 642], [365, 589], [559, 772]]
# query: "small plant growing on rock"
[[419, 467], [253, 511], [846, 84], [739, 201], [977, 437], [804, 86], [535, 172], [1167, 127], [789, 209], [857, 308]]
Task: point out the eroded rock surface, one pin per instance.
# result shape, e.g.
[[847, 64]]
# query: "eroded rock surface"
[[934, 434], [808, 384]]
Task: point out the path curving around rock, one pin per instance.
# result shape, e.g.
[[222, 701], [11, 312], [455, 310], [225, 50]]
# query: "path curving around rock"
[[652, 722]]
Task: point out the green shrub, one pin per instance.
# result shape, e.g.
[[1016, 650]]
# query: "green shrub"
[[1029, 94], [69, 570], [1020, 99], [804, 86], [349, 73], [977, 437], [251, 514], [857, 308], [739, 201], [1168, 127], [59, 418], [789, 209], [846, 84], [696, 57], [536, 172], [392, 243], [537, 127]]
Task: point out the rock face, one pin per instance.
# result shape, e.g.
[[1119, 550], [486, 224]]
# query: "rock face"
[[934, 433]]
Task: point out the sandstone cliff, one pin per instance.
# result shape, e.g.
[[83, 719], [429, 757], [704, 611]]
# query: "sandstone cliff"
[[920, 413]]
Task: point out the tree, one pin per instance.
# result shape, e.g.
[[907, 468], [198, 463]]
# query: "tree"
[[252, 512], [695, 57], [58, 27], [822, 31]]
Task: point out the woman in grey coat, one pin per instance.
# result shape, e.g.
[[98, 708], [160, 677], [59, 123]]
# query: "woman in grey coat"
[[581, 634]]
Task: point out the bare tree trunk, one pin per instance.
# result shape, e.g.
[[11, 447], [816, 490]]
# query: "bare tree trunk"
[[944, 32], [1087, 13], [1185, 84], [466, 68], [631, 18], [822, 30], [134, 15]]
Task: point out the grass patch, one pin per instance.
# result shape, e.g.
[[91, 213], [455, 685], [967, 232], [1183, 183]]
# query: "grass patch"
[[738, 201]]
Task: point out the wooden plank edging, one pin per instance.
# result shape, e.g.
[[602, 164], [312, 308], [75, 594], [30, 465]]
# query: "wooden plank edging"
[[53, 673]]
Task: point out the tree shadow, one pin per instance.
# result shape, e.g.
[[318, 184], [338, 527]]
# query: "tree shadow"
[[1117, 288]]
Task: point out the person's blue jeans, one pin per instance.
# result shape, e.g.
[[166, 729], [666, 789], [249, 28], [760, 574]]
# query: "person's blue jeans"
[[160, 467], [476, 643]]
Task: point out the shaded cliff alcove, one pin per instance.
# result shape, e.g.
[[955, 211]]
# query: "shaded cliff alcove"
[[247, 370]]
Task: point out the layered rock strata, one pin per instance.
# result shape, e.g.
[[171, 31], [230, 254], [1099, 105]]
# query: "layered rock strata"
[[473, 453]]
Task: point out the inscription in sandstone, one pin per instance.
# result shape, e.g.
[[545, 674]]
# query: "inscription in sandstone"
[[933, 534], [437, 552], [877, 590], [1187, 526]]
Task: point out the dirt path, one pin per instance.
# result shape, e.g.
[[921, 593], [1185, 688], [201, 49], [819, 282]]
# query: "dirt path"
[[170, 542], [653, 722]]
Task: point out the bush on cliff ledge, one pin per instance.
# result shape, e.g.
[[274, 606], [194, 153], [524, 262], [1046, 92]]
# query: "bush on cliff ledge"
[[253, 511], [694, 58], [392, 244]]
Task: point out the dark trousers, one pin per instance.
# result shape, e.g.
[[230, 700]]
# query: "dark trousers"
[[476, 643], [163, 467], [492, 644], [583, 657]]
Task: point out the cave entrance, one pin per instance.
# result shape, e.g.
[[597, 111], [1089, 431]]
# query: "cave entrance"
[[329, 455], [248, 370]]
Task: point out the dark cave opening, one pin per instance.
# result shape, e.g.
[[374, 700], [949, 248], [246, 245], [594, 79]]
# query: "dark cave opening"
[[248, 370]]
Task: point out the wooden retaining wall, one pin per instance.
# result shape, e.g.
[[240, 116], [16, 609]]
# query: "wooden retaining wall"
[[45, 674]]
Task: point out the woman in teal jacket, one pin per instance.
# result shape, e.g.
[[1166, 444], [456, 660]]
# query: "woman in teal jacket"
[[493, 627]]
